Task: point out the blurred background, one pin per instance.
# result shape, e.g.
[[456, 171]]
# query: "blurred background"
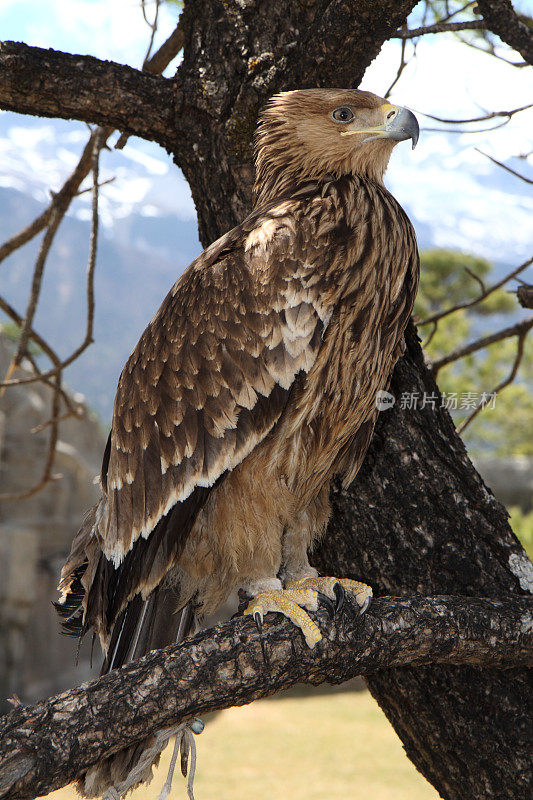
[[473, 222]]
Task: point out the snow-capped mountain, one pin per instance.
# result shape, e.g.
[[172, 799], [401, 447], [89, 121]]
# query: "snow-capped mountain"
[[455, 197]]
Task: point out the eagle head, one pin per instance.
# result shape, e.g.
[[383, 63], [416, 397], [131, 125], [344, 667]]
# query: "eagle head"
[[309, 134]]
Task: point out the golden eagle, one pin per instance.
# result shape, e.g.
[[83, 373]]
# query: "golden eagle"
[[253, 385]]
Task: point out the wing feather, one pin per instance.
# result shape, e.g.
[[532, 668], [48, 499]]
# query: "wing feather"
[[207, 381]]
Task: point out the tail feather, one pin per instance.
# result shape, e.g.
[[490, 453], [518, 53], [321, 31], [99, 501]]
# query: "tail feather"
[[146, 625], [134, 608], [142, 626]]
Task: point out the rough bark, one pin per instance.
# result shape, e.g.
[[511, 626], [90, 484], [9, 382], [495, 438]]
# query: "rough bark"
[[502, 20], [418, 519], [48, 83], [47, 745]]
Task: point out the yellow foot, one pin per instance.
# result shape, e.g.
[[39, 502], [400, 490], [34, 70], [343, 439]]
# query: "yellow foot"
[[335, 589], [290, 602]]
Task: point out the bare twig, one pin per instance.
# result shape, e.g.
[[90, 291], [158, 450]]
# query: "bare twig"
[[489, 396], [488, 115], [519, 329], [489, 48], [167, 52], [39, 341], [90, 188], [72, 410], [462, 130], [482, 296], [459, 10], [56, 373], [47, 475], [403, 64], [38, 271], [60, 202], [458, 132], [152, 25], [53, 421], [477, 279], [440, 27], [504, 166], [98, 143], [431, 335]]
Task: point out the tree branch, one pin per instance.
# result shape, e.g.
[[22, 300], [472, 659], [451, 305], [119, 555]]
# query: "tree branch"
[[504, 166], [46, 746], [167, 52], [502, 20], [49, 83], [487, 397], [524, 294], [441, 27], [475, 300], [488, 115], [520, 329]]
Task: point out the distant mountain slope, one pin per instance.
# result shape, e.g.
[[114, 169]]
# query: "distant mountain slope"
[[131, 280]]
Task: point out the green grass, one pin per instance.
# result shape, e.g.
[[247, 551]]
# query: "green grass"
[[522, 525], [327, 746]]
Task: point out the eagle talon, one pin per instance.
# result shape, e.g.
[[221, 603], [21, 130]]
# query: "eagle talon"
[[365, 605], [340, 596], [325, 602], [258, 619], [336, 590]]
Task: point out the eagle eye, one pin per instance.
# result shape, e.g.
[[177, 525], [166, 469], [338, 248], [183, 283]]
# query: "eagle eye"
[[343, 114]]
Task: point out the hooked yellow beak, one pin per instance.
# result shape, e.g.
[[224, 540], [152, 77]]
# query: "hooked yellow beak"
[[399, 124]]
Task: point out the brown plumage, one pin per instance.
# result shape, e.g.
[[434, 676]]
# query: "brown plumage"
[[253, 385]]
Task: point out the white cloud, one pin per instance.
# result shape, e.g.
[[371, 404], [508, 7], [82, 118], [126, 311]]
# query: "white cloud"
[[110, 29]]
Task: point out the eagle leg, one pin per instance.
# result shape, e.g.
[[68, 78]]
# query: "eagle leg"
[[290, 602], [334, 589]]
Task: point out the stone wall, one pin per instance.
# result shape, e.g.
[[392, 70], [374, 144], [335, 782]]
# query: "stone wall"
[[35, 536]]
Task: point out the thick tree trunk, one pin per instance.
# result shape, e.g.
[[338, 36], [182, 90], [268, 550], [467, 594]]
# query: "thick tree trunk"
[[418, 519]]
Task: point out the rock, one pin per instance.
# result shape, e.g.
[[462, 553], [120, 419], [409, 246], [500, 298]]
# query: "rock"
[[510, 479]]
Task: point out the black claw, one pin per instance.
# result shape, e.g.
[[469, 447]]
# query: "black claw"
[[325, 602], [258, 622], [365, 605], [340, 594]]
